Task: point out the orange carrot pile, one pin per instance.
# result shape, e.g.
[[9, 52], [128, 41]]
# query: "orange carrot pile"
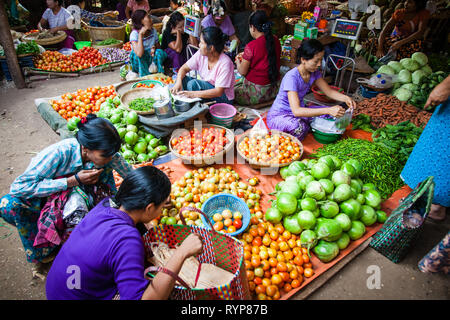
[[386, 109]]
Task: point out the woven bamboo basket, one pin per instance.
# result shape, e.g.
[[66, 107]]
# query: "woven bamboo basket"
[[259, 165], [117, 45], [116, 31], [203, 161], [59, 37], [129, 96]]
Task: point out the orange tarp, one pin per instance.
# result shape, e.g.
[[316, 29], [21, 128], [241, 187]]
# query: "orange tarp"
[[267, 185]]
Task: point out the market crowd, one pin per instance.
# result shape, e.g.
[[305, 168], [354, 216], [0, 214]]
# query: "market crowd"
[[107, 244]]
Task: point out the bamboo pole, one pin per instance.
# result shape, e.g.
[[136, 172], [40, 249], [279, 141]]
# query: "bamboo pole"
[[10, 52]]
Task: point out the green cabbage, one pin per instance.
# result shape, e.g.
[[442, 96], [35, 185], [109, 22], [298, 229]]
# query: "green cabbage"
[[386, 70], [404, 76], [427, 70], [410, 86], [421, 58], [396, 66], [409, 64], [403, 94], [417, 76]]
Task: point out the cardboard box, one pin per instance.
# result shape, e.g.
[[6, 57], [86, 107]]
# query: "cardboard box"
[[300, 31], [311, 33], [295, 44]]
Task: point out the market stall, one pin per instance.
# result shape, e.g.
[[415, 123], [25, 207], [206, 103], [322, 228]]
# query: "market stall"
[[307, 205]]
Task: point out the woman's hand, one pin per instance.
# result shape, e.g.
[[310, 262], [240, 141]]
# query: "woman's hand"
[[350, 102], [336, 111], [380, 52], [143, 30], [191, 246], [89, 176], [177, 87], [395, 46], [439, 94], [189, 94]]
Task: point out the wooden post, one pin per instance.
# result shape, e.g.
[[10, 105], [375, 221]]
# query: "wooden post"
[[10, 52]]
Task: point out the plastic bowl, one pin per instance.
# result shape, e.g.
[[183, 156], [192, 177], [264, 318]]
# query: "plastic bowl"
[[222, 114], [223, 201], [81, 44], [320, 96], [325, 138], [148, 82]]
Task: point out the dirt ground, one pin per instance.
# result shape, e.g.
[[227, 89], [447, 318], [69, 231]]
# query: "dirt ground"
[[24, 133]]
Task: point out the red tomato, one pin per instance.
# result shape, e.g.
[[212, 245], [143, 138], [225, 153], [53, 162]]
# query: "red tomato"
[[237, 223]]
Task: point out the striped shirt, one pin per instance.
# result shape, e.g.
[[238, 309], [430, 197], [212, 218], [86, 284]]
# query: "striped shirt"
[[60, 159]]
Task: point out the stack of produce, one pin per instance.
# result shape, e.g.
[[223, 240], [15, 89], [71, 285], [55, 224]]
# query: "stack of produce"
[[272, 148], [107, 42], [401, 138], [83, 102], [327, 203], [415, 78], [115, 54], [197, 186], [362, 121], [82, 59], [138, 146], [275, 260], [386, 109], [380, 165], [207, 142], [127, 46]]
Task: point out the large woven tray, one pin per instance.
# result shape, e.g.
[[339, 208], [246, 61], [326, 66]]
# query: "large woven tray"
[[129, 96], [202, 161], [59, 37], [259, 165]]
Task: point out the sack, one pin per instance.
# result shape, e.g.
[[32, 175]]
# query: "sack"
[[218, 249], [405, 223]]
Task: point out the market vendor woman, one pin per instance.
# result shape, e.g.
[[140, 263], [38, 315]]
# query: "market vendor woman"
[[108, 251], [288, 112], [87, 161], [145, 45], [403, 32], [56, 18], [214, 67]]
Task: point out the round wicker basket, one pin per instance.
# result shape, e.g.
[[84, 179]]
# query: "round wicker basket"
[[116, 31], [258, 165], [59, 37], [129, 96], [203, 161], [117, 45]]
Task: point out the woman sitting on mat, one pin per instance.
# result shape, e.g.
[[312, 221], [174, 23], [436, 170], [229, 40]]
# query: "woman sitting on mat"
[[214, 67], [145, 45], [174, 41], [259, 64], [107, 248], [57, 18], [86, 161], [289, 112]]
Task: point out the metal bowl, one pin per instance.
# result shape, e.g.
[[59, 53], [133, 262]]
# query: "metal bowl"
[[163, 109], [182, 106]]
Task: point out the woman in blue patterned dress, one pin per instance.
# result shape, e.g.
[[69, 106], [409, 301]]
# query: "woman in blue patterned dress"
[[431, 157], [87, 160]]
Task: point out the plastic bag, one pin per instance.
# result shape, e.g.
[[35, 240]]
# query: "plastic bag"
[[75, 209], [260, 127]]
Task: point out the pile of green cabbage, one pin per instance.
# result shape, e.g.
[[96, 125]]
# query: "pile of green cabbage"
[[410, 73]]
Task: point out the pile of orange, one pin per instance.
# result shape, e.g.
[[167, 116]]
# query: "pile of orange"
[[275, 261], [82, 102]]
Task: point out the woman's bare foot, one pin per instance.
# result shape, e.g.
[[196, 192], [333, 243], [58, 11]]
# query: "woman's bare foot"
[[437, 212]]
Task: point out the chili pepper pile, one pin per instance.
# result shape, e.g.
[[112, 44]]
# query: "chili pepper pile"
[[381, 165], [386, 109]]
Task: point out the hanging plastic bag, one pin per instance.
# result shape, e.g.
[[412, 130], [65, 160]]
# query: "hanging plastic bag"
[[76, 207], [260, 127]]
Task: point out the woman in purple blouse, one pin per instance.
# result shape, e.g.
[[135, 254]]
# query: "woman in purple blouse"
[[104, 256], [288, 112]]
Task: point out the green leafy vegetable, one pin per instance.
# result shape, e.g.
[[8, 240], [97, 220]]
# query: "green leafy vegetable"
[[142, 104]]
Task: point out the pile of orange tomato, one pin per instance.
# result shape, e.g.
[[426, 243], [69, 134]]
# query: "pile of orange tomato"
[[271, 148], [127, 46], [164, 80], [143, 85], [58, 62], [82, 102], [275, 261]]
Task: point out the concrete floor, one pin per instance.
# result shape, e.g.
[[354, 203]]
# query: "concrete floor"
[[24, 133]]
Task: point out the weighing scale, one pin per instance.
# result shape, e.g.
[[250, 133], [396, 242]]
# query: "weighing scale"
[[349, 31], [192, 26]]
